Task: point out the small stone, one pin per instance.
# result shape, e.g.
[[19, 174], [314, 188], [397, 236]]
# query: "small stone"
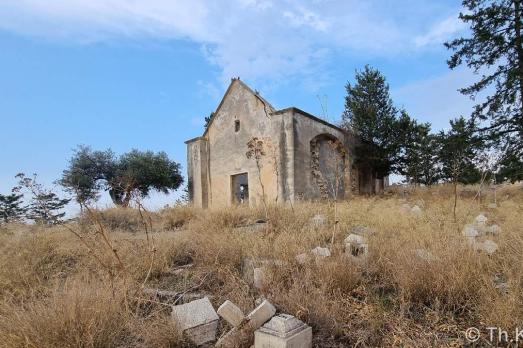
[[302, 258], [231, 313], [197, 319], [320, 252], [470, 231], [405, 207], [492, 206]]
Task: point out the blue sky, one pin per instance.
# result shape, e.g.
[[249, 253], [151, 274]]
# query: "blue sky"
[[125, 74]]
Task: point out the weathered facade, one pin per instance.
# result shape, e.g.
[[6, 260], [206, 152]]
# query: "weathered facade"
[[297, 156]]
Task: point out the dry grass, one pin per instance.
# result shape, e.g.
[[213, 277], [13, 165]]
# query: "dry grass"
[[57, 291]]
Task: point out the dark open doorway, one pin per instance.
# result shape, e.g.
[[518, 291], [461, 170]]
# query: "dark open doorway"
[[240, 188]]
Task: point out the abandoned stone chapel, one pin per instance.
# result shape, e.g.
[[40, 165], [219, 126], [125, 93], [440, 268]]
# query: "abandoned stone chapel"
[[293, 156]]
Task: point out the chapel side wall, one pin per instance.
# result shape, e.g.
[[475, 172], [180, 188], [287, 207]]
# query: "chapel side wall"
[[227, 148], [194, 172], [306, 129]]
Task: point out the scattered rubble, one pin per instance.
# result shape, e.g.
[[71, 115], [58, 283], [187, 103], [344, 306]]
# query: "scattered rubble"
[[197, 320], [243, 332], [501, 285], [470, 231], [479, 228], [318, 220], [283, 331], [321, 253], [487, 246]]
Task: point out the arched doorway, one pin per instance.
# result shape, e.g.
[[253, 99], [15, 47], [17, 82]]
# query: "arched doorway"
[[328, 157]]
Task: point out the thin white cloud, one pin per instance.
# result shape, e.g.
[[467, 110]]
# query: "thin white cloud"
[[255, 39], [437, 99], [441, 32]]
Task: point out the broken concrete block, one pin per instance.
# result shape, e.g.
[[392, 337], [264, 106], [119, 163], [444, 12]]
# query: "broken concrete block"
[[302, 258], [259, 277], [242, 335], [318, 220], [355, 239], [480, 220], [261, 314], [197, 320], [283, 331], [487, 246], [494, 230], [321, 253], [470, 231], [231, 313]]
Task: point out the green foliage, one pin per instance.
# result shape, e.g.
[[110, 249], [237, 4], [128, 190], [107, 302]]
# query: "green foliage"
[[11, 209], [511, 168], [459, 149], [208, 119], [417, 151], [370, 114], [133, 173], [87, 171], [46, 207], [495, 49]]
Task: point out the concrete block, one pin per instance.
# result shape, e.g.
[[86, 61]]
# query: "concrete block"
[[318, 220], [320, 252], [283, 331], [197, 319], [261, 314], [480, 220], [355, 239], [357, 250], [494, 230], [259, 277], [470, 231], [242, 335], [487, 246], [231, 313]]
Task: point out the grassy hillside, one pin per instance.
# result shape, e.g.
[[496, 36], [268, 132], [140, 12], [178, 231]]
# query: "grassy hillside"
[[82, 284]]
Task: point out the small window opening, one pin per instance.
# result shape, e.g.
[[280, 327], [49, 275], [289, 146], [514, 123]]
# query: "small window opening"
[[237, 125]]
